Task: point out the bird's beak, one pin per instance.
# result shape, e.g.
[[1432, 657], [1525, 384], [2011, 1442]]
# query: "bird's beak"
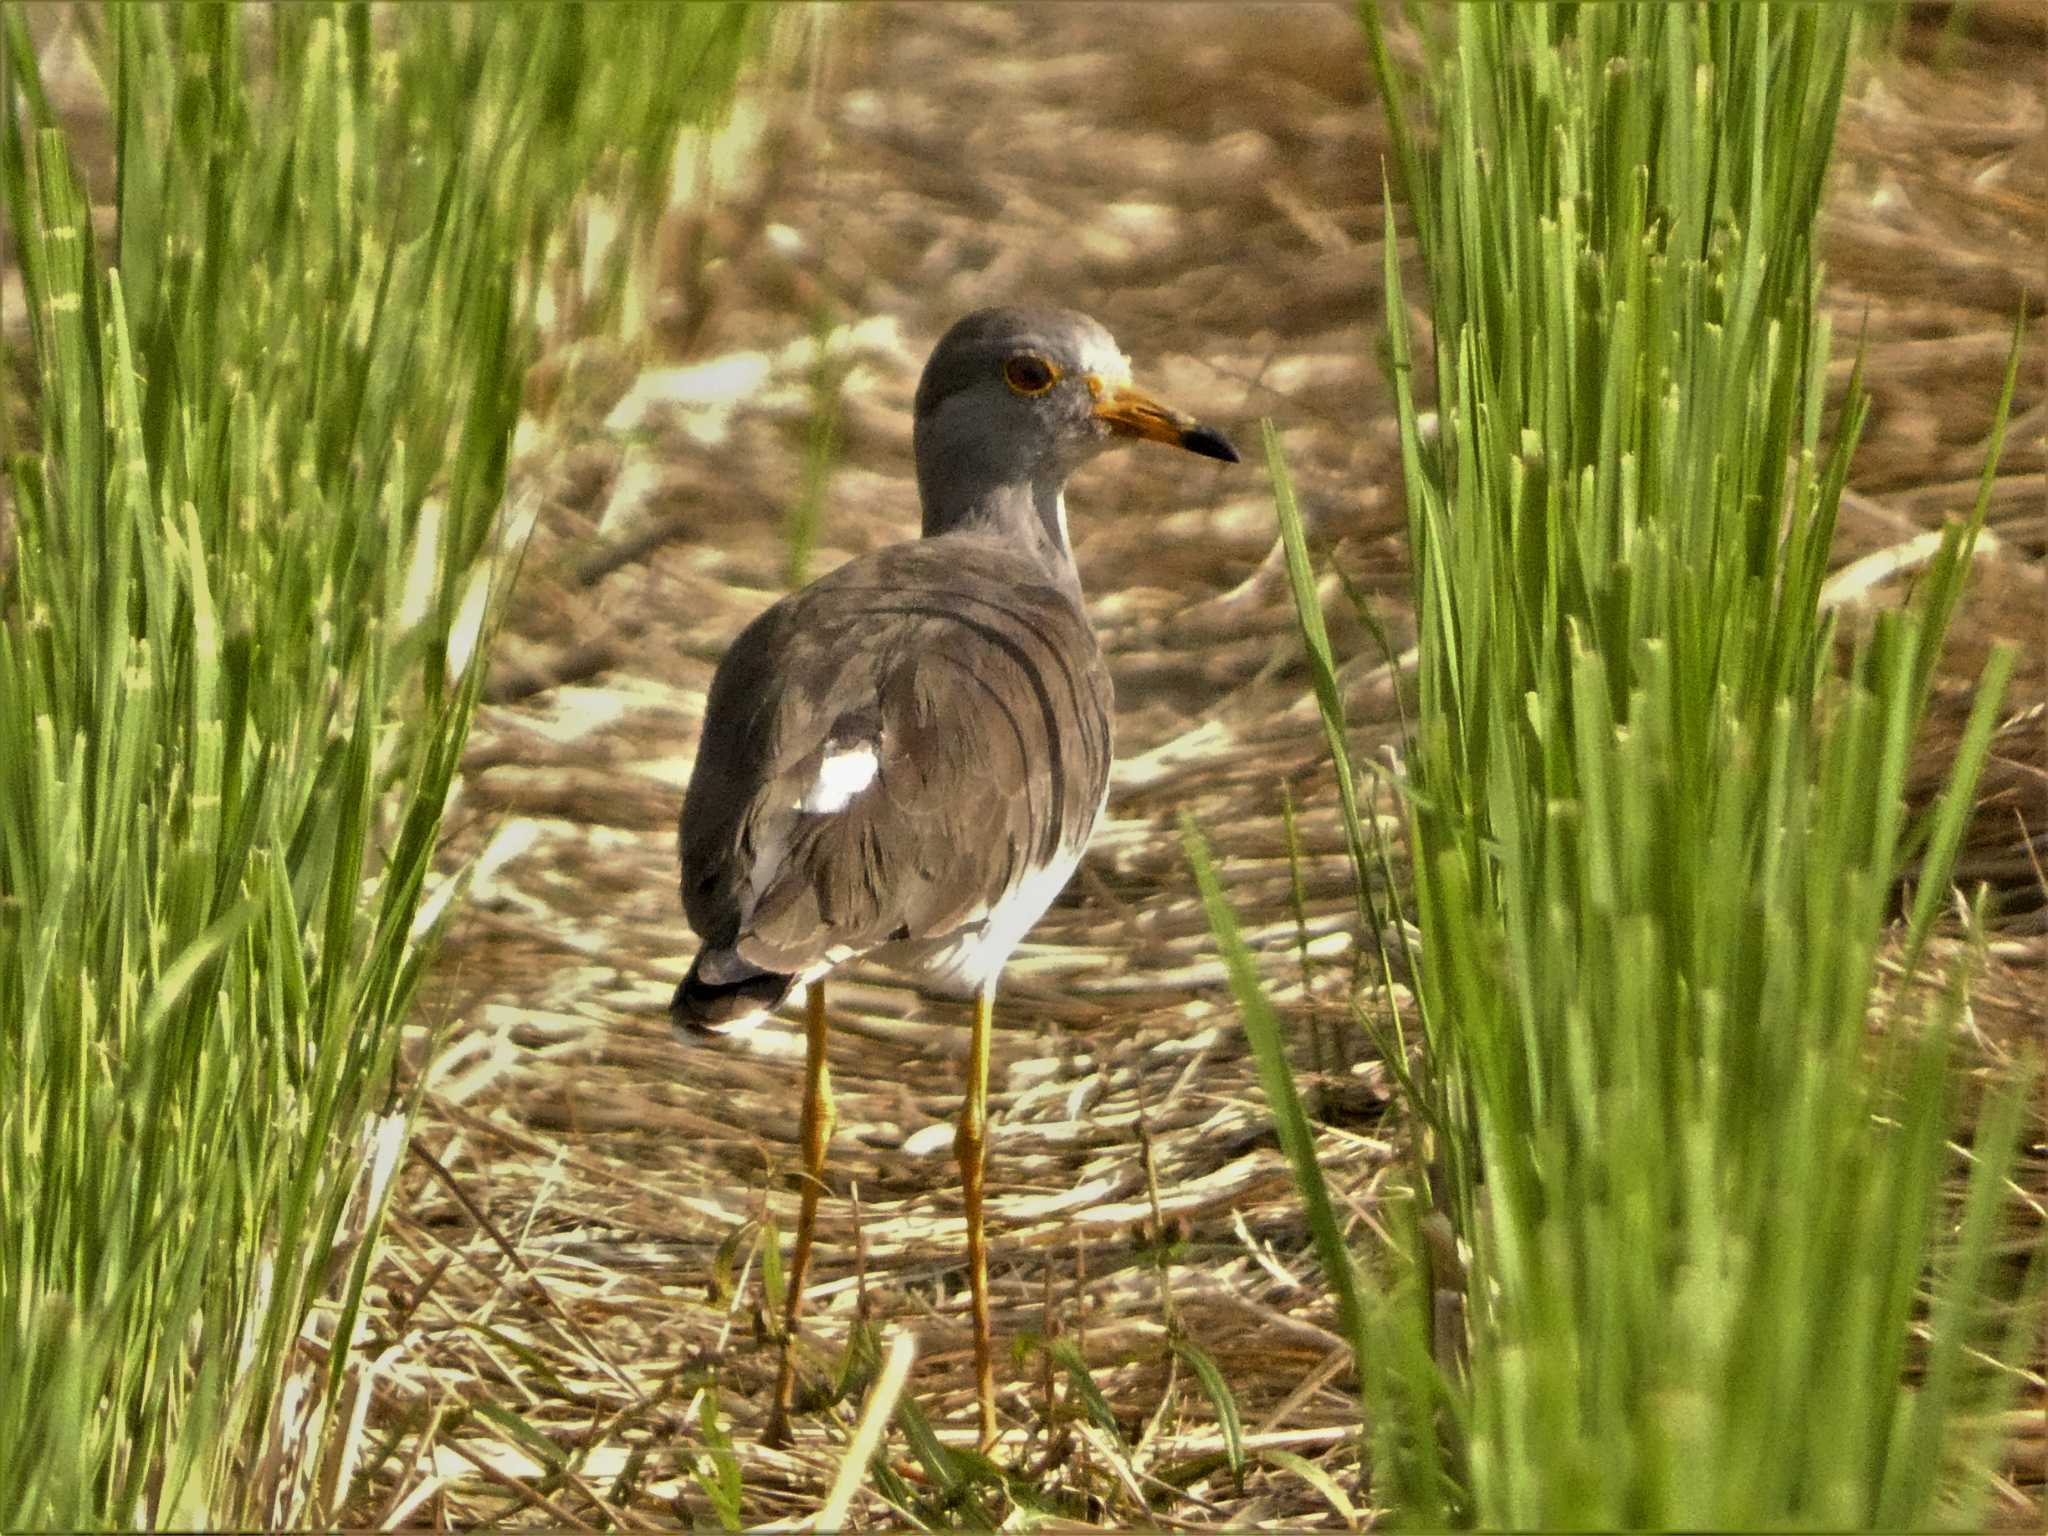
[[1130, 412]]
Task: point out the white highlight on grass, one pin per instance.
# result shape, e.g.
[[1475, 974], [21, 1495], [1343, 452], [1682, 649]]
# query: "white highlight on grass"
[[517, 522], [570, 713], [701, 397], [929, 1140], [1856, 580], [600, 233], [468, 627], [841, 776], [384, 1138], [702, 400], [423, 570], [639, 478], [512, 842], [867, 1434]]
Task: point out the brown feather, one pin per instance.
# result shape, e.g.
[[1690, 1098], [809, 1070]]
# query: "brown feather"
[[981, 688]]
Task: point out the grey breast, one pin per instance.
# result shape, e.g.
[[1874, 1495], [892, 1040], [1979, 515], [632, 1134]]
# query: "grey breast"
[[978, 688]]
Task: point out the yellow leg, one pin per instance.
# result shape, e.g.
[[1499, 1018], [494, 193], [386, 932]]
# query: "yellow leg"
[[816, 1132], [969, 1145]]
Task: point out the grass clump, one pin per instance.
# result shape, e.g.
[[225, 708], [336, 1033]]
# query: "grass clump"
[[1695, 1211], [257, 538]]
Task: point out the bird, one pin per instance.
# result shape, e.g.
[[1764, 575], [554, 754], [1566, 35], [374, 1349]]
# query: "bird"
[[905, 759]]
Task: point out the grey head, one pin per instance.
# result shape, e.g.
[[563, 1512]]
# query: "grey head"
[[1011, 403]]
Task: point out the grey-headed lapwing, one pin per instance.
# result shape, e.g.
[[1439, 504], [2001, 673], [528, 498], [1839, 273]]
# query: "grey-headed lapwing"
[[906, 758]]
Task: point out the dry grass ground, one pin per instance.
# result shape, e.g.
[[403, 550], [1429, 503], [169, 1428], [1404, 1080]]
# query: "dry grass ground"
[[572, 1243], [1204, 179]]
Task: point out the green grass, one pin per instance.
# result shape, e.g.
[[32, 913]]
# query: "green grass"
[[1656, 836], [257, 548], [1675, 1210], [806, 515]]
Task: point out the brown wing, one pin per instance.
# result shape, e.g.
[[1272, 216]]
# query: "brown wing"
[[980, 691]]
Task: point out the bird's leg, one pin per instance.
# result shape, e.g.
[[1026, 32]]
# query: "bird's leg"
[[969, 1145], [816, 1132]]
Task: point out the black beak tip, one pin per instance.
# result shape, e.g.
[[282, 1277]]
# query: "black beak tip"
[[1210, 443]]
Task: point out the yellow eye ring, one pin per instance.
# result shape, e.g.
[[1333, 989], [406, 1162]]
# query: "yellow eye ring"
[[1029, 374]]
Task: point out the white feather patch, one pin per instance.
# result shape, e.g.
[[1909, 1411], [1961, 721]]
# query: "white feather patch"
[[841, 775], [1107, 364], [964, 962]]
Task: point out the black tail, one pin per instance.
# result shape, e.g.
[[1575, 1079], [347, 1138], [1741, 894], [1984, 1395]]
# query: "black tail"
[[703, 1007]]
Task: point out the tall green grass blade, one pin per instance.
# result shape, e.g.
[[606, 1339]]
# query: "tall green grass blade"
[[257, 524], [821, 453], [1654, 839], [1067, 1356], [1290, 1121], [1221, 1399], [1320, 1480], [1322, 670], [956, 1475], [1915, 1470], [1397, 1379], [720, 1480], [862, 1448]]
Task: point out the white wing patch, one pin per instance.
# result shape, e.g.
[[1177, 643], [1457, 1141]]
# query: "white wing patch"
[[842, 774]]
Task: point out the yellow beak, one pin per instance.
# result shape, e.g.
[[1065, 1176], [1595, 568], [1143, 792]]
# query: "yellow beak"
[[1130, 412]]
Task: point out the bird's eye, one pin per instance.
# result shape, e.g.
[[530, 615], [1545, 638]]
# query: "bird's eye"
[[1029, 375]]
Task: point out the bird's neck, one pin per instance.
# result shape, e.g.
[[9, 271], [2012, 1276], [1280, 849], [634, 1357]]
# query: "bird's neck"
[[1029, 516]]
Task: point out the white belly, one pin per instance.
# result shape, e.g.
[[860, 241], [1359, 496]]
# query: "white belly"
[[963, 963]]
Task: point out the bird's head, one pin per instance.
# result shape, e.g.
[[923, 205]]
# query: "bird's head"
[[1024, 397]]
